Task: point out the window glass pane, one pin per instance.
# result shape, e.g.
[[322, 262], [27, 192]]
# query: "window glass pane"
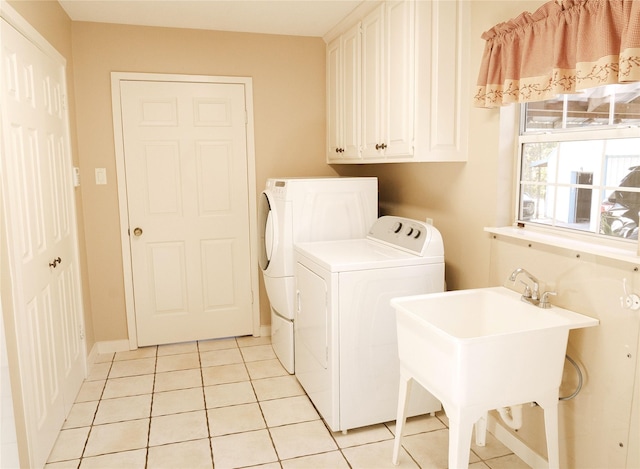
[[578, 162], [573, 208], [627, 104], [619, 214], [585, 185], [586, 109], [532, 203], [619, 207], [535, 161], [544, 115]]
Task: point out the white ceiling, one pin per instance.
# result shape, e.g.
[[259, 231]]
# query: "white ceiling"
[[288, 17]]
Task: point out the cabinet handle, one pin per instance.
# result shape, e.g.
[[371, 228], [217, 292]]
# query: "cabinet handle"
[[55, 262], [381, 146]]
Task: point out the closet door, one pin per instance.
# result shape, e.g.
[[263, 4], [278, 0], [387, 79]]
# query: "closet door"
[[37, 193]]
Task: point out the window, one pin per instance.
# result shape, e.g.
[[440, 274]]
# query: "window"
[[580, 162]]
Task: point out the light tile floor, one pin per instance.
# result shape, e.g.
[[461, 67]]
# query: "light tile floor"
[[229, 403]]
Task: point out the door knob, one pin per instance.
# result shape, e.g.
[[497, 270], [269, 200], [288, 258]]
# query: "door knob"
[[55, 262], [137, 231]]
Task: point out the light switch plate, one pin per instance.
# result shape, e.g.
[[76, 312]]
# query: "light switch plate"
[[76, 176], [101, 176]]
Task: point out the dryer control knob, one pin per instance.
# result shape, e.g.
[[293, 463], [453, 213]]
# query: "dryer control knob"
[[397, 227], [409, 231], [417, 235]]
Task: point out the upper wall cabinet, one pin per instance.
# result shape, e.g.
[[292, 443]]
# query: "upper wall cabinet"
[[397, 83]]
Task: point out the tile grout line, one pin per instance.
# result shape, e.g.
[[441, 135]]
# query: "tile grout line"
[[84, 448], [204, 400], [266, 425], [153, 394]]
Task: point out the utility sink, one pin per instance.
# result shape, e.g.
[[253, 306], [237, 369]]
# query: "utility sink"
[[477, 350]]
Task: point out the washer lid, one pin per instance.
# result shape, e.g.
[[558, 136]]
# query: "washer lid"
[[357, 254]]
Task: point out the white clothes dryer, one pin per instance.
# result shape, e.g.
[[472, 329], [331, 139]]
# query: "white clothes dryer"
[[345, 329], [305, 209]]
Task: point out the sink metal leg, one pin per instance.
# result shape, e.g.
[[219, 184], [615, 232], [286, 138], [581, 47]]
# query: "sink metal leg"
[[404, 394]]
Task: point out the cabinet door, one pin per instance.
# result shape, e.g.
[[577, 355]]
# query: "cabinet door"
[[372, 83], [334, 99], [351, 92], [399, 90]]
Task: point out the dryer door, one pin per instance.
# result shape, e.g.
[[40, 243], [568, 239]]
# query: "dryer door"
[[267, 228]]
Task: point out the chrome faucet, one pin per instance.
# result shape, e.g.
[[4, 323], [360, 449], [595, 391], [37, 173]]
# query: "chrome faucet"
[[530, 295]]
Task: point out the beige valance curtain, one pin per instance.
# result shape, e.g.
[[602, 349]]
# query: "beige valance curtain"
[[564, 47]]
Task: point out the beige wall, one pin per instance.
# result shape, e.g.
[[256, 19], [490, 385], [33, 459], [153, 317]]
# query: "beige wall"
[[289, 105]]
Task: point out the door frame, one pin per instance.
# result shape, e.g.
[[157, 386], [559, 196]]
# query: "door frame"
[[116, 79]]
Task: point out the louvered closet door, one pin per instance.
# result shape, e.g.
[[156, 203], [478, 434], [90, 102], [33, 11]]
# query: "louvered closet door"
[[40, 219]]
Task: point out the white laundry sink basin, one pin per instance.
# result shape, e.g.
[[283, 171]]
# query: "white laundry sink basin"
[[484, 348]]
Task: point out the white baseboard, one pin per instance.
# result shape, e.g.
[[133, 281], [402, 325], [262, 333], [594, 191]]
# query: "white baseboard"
[[108, 346], [529, 456], [113, 346]]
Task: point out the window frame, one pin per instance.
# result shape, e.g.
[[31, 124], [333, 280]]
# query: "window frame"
[[619, 131]]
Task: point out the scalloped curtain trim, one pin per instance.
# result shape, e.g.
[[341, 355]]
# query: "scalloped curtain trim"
[[564, 47]]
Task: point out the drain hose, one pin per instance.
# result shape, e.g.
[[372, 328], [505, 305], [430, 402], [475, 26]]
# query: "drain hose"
[[512, 415]]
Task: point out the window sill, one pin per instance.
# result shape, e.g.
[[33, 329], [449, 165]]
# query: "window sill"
[[620, 253]]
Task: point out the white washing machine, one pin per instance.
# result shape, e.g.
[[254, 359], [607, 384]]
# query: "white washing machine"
[[292, 210], [346, 345]]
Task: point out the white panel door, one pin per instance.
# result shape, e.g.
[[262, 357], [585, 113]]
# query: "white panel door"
[[37, 193], [185, 152]]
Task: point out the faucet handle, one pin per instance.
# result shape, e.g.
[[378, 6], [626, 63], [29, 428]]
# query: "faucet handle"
[[544, 300], [527, 289]]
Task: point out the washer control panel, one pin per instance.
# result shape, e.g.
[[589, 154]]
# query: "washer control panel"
[[404, 233], [277, 188]]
